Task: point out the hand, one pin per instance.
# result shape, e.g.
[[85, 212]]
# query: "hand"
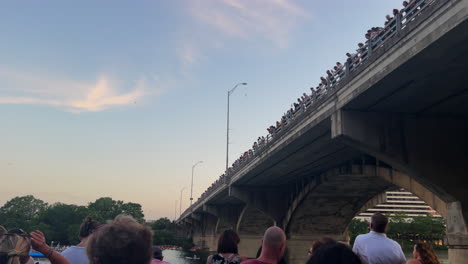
[[38, 242]]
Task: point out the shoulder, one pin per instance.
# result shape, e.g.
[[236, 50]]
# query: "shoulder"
[[396, 244], [413, 261], [243, 258], [361, 237], [73, 250], [251, 261]]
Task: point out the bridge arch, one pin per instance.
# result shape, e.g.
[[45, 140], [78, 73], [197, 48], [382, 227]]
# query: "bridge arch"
[[251, 225], [326, 206]]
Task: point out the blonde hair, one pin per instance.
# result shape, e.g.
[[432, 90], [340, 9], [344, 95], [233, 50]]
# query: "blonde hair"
[[14, 248]]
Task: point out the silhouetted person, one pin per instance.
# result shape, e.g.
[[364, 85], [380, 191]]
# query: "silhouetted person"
[[334, 253], [273, 247], [423, 254], [227, 249], [77, 254]]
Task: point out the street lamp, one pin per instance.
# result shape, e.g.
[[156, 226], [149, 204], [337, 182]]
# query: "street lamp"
[[191, 188], [227, 130], [180, 205], [175, 210]]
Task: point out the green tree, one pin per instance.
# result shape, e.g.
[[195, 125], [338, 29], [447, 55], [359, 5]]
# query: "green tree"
[[63, 222], [162, 223], [22, 212], [407, 230], [106, 208], [357, 227], [134, 210]]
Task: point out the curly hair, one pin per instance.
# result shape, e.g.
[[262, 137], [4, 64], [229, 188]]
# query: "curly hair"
[[426, 253], [121, 241], [87, 227]]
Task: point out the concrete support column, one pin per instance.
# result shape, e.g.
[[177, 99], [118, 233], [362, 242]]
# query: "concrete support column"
[[457, 235], [218, 219], [249, 245]]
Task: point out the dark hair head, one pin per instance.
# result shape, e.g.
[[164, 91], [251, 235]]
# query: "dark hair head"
[[121, 241], [324, 241], [335, 253], [87, 227], [157, 253], [228, 241], [426, 253], [379, 223], [14, 246]]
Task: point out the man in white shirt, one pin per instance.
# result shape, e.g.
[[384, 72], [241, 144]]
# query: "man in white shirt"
[[375, 248]]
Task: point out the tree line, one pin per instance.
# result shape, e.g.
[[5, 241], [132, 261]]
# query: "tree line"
[[60, 222], [406, 230]]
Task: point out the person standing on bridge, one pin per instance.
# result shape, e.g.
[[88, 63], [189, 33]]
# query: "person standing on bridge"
[[273, 247], [375, 248]]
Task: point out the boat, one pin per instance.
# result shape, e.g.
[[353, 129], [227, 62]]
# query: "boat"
[[194, 257]]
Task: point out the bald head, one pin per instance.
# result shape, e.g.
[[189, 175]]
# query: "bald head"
[[274, 238]]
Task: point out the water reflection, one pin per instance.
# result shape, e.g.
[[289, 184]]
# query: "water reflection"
[[185, 257]]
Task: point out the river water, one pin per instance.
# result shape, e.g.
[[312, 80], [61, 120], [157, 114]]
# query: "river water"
[[185, 257]]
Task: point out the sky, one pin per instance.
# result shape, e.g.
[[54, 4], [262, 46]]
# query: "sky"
[[119, 99]]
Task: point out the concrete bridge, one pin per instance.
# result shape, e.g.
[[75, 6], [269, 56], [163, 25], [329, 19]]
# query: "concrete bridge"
[[400, 119]]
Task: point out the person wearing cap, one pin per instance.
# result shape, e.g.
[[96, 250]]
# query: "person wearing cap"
[[158, 256]]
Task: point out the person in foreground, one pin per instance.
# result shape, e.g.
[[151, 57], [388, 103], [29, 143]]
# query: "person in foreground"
[[77, 254], [319, 243], [158, 256], [423, 254], [375, 248], [15, 246], [121, 241], [39, 244], [227, 249], [333, 253], [273, 247]]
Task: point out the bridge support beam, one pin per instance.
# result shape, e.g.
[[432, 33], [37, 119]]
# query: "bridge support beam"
[[271, 201], [432, 150], [203, 231]]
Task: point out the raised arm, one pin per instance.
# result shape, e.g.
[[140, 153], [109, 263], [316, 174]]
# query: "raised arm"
[[39, 244]]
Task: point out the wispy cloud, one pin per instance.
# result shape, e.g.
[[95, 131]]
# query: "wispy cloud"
[[18, 87], [272, 20], [188, 54]]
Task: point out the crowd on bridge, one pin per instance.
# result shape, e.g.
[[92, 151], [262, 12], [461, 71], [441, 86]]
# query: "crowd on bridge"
[[126, 241], [375, 38]]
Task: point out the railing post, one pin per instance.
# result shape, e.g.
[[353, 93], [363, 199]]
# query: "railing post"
[[369, 48], [398, 22], [346, 73]]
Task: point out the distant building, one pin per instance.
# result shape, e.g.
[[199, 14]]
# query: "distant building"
[[400, 201]]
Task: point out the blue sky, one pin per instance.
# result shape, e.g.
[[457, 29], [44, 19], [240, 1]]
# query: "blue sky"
[[120, 98]]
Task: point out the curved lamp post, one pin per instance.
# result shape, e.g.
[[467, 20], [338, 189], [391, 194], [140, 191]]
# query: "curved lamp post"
[[191, 187], [227, 130]]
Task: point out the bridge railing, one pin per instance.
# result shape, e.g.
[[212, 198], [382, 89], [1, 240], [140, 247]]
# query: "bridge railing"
[[314, 100]]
